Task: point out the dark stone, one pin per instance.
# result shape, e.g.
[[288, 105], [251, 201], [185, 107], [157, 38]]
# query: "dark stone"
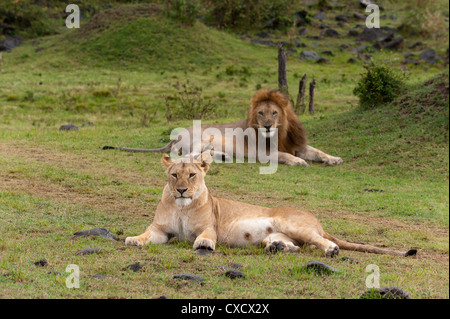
[[190, 277], [68, 127], [313, 37], [377, 34], [352, 60], [88, 251], [87, 124], [320, 267], [353, 33], [236, 266], [41, 263], [351, 260], [385, 293], [302, 31], [103, 232], [99, 276], [323, 61], [361, 49], [396, 43], [411, 252], [344, 47], [411, 61], [263, 42], [341, 17], [328, 52], [134, 267], [324, 26], [54, 273], [359, 16], [204, 252], [233, 274], [331, 33], [416, 45], [429, 56], [263, 35], [309, 55], [320, 16], [10, 43]]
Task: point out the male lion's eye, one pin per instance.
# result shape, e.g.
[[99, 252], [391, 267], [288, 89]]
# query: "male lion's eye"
[[191, 175], [275, 114], [261, 114], [175, 175]]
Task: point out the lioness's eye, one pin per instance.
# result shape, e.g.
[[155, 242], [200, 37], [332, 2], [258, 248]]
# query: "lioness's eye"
[[261, 114], [275, 114], [191, 175], [175, 175]]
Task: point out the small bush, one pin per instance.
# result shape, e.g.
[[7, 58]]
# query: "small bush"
[[188, 103], [185, 11], [379, 85]]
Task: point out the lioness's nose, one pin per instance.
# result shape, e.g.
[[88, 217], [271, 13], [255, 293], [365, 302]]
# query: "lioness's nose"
[[268, 127], [181, 190]]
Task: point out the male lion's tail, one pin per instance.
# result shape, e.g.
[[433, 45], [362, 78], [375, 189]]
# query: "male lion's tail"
[[164, 149], [368, 248]]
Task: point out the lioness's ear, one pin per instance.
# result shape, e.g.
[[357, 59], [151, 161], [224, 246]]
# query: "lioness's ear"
[[166, 160], [205, 160]]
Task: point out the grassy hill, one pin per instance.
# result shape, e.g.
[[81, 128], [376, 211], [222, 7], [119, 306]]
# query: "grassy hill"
[[391, 191]]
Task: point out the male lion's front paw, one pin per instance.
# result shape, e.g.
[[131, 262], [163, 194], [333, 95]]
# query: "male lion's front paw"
[[332, 251], [204, 243], [134, 241], [334, 160]]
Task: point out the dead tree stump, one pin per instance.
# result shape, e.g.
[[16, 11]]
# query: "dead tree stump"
[[312, 86], [282, 76], [300, 105]]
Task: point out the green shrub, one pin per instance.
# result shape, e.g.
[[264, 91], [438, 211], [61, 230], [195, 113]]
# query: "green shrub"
[[184, 11], [379, 85]]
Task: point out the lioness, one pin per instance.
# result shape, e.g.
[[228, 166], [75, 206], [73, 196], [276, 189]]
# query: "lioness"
[[269, 110], [189, 212]]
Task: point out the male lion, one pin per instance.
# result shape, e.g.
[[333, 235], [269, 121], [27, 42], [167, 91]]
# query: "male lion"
[[269, 110], [189, 212]]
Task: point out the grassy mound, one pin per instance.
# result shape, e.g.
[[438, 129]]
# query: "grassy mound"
[[141, 37]]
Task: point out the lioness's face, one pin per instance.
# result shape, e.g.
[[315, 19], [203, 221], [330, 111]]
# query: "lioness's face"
[[186, 179], [268, 118]]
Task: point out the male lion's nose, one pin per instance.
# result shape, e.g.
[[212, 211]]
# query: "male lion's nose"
[[268, 127], [181, 190]]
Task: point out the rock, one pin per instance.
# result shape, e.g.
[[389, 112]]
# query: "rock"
[[361, 49], [323, 61], [88, 251], [302, 31], [341, 17], [359, 16], [236, 266], [411, 61], [324, 26], [7, 28], [186, 276], [204, 252], [327, 52], [41, 263], [350, 259], [54, 273], [134, 267], [396, 43], [429, 56], [68, 127], [87, 124], [331, 33], [320, 16], [99, 276], [302, 18], [353, 33], [377, 34], [344, 47], [309, 55], [263, 42], [103, 232], [233, 274], [352, 60], [416, 45], [313, 37], [263, 35], [10, 43], [320, 267], [385, 293]]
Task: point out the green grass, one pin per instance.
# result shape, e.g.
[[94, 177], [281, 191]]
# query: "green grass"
[[53, 184]]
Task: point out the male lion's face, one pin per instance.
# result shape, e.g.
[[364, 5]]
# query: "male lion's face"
[[268, 117], [186, 178]]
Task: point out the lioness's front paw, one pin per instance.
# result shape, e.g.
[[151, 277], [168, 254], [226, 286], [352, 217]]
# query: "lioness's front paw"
[[334, 160], [332, 251], [204, 243], [134, 241], [297, 162]]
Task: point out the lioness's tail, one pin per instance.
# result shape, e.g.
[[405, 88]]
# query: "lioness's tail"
[[164, 149], [368, 248]]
